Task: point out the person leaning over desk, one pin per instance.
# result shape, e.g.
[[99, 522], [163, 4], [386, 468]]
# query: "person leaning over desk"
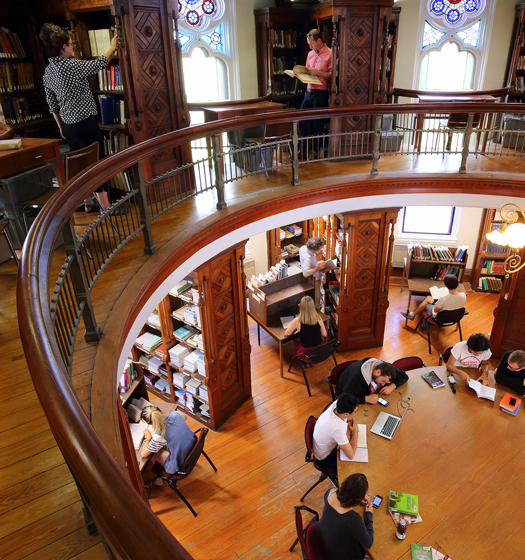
[[171, 440], [309, 327], [341, 531], [310, 266], [368, 378], [511, 371], [472, 353]]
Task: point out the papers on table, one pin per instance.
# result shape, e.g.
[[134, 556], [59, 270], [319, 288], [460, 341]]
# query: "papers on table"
[[482, 390], [361, 453], [287, 321]]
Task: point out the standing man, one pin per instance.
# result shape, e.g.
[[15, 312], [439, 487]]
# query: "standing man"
[[310, 266], [318, 63]]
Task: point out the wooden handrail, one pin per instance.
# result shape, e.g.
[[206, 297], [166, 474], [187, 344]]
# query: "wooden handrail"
[[196, 106], [413, 93], [126, 522]]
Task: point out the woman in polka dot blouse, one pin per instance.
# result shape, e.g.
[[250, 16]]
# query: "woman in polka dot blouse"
[[68, 93]]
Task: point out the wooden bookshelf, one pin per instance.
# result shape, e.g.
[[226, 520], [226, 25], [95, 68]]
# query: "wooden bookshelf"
[[515, 69], [276, 245]]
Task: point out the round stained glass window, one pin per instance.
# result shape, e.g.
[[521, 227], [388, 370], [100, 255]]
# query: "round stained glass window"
[[455, 12]]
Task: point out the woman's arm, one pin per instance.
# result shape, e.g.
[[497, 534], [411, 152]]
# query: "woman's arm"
[[452, 368], [144, 452], [324, 334], [295, 325]]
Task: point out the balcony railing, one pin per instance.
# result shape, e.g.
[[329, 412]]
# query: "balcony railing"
[[49, 323]]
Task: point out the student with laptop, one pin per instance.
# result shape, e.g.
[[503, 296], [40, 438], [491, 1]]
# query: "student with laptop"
[[368, 378], [336, 428], [468, 354]]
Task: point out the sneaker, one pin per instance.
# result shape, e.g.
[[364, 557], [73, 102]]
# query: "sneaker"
[[408, 315]]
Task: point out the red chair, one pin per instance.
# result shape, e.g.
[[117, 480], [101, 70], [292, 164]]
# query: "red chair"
[[443, 358], [189, 465], [309, 458], [442, 319], [336, 372], [308, 538], [407, 364]]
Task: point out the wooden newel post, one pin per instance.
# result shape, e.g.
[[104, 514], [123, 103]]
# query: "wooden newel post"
[[145, 219]]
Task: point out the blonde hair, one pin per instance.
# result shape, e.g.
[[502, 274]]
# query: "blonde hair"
[[152, 415], [307, 312]]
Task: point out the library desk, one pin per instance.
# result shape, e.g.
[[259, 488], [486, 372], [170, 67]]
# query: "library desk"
[[421, 287], [463, 457], [276, 330], [34, 152]]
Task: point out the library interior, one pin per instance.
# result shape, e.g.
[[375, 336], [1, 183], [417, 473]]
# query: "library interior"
[[259, 298]]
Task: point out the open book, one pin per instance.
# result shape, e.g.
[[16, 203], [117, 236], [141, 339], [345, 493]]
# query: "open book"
[[329, 265], [482, 390], [303, 74], [437, 293], [361, 453]]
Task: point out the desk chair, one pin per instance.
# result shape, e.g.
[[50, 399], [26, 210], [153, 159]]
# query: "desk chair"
[[457, 122], [317, 355], [3, 232], [336, 372], [307, 537], [189, 465], [277, 132], [443, 358], [309, 457], [407, 364], [442, 319]]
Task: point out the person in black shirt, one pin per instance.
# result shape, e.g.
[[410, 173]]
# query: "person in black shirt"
[[309, 327], [68, 93], [511, 371]]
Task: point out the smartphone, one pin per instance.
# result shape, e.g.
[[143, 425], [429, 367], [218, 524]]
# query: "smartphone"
[[512, 401], [377, 501], [383, 402]]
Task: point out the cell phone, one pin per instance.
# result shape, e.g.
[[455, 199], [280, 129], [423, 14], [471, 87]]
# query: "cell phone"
[[383, 402], [512, 401], [377, 501]]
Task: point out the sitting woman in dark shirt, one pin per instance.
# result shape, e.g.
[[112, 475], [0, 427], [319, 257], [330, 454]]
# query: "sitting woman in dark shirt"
[[341, 530], [309, 327], [511, 371]]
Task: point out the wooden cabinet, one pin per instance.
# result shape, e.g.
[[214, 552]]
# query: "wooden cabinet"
[[487, 273], [279, 238], [281, 44], [515, 70]]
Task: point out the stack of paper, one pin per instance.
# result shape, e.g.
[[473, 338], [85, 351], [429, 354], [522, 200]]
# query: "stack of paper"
[[154, 364], [205, 410], [203, 393], [154, 319], [177, 354], [201, 367], [190, 361], [192, 386], [148, 341], [181, 397], [182, 286], [179, 312], [180, 378], [192, 315], [161, 385]]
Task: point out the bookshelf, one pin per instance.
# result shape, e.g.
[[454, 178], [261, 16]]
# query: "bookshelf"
[[515, 70], [278, 239], [388, 54], [487, 272]]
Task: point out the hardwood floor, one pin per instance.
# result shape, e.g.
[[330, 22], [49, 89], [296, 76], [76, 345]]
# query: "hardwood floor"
[[245, 510]]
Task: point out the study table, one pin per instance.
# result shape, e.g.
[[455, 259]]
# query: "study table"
[[463, 457]]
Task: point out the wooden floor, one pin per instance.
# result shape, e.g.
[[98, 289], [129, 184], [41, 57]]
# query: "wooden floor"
[[245, 510]]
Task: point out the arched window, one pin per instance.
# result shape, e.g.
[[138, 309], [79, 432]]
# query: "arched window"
[[453, 36]]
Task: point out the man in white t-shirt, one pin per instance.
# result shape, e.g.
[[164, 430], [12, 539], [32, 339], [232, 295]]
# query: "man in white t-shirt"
[[453, 300], [472, 353], [336, 428]]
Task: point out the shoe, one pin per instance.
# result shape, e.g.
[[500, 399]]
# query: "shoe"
[[154, 483], [409, 316], [90, 208]]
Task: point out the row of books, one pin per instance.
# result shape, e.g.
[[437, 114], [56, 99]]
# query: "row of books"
[[181, 287], [115, 142], [282, 63], [283, 39], [110, 79], [10, 45], [189, 314], [128, 376], [521, 63], [443, 270], [159, 383], [23, 108], [16, 76], [112, 110], [519, 84], [438, 252], [100, 40], [194, 405], [333, 288], [277, 272], [490, 284], [493, 267], [287, 86]]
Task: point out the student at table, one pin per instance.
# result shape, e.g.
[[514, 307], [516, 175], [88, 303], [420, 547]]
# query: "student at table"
[[310, 266], [309, 327], [452, 301], [341, 531], [368, 378], [472, 353], [336, 428], [171, 440], [511, 371]]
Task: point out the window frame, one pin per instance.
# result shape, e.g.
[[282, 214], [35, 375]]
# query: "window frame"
[[438, 237]]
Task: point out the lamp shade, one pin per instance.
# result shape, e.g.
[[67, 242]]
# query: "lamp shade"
[[497, 237], [515, 236]]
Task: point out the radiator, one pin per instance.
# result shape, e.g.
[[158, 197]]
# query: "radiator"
[[399, 253]]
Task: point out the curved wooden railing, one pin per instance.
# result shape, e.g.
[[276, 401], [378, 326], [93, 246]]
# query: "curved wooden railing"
[[414, 93], [124, 519]]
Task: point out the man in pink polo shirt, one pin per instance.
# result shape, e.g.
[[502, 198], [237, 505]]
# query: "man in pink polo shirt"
[[319, 63]]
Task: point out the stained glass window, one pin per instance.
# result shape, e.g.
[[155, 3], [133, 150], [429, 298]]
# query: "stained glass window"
[[194, 10], [431, 35], [455, 12], [214, 39], [470, 36], [183, 39]]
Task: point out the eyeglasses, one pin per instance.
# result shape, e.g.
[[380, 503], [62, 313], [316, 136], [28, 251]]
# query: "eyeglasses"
[[515, 368]]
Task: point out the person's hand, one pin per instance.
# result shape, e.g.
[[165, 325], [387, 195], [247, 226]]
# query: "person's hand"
[[311, 70], [465, 378], [354, 427], [62, 134], [147, 434], [369, 507], [484, 381], [320, 264], [116, 42], [372, 399], [387, 389]]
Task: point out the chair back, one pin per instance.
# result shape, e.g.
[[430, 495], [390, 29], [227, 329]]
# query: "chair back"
[[443, 358], [277, 131], [447, 318], [459, 121], [321, 353], [407, 364], [81, 159], [309, 438], [195, 453], [308, 539], [336, 372]]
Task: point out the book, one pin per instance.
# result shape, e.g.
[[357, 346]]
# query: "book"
[[433, 379], [11, 144], [303, 74], [507, 407], [400, 502], [410, 519], [420, 552], [437, 293], [182, 333], [482, 391], [361, 453]]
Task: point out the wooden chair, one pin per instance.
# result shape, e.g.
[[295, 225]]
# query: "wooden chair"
[[336, 372], [443, 358], [407, 364], [3, 232], [442, 319], [189, 465], [307, 538], [457, 122]]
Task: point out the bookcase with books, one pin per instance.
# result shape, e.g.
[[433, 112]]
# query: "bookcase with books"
[[488, 273], [515, 70], [435, 261], [281, 44], [284, 242]]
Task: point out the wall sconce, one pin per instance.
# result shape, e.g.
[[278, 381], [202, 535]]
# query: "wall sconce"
[[511, 234]]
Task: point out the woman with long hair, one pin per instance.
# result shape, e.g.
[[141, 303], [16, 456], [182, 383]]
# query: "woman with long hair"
[[309, 327]]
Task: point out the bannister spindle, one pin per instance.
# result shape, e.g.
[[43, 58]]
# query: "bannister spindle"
[[219, 177], [466, 143], [295, 153], [377, 140], [80, 284], [145, 218]]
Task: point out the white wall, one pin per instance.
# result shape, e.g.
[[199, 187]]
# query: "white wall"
[[258, 247]]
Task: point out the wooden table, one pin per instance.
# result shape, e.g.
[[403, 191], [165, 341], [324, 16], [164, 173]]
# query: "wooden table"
[[421, 286], [463, 457], [276, 330], [34, 152], [449, 99]]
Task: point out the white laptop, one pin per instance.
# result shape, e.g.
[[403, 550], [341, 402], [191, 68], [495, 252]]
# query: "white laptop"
[[386, 425]]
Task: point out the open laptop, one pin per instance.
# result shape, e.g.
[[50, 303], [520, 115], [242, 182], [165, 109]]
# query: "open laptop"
[[386, 425]]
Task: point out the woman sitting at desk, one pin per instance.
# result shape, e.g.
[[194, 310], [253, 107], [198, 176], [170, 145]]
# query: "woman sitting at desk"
[[309, 327], [341, 531], [171, 441]]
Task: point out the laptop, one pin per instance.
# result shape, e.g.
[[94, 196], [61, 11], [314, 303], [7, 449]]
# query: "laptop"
[[386, 425]]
